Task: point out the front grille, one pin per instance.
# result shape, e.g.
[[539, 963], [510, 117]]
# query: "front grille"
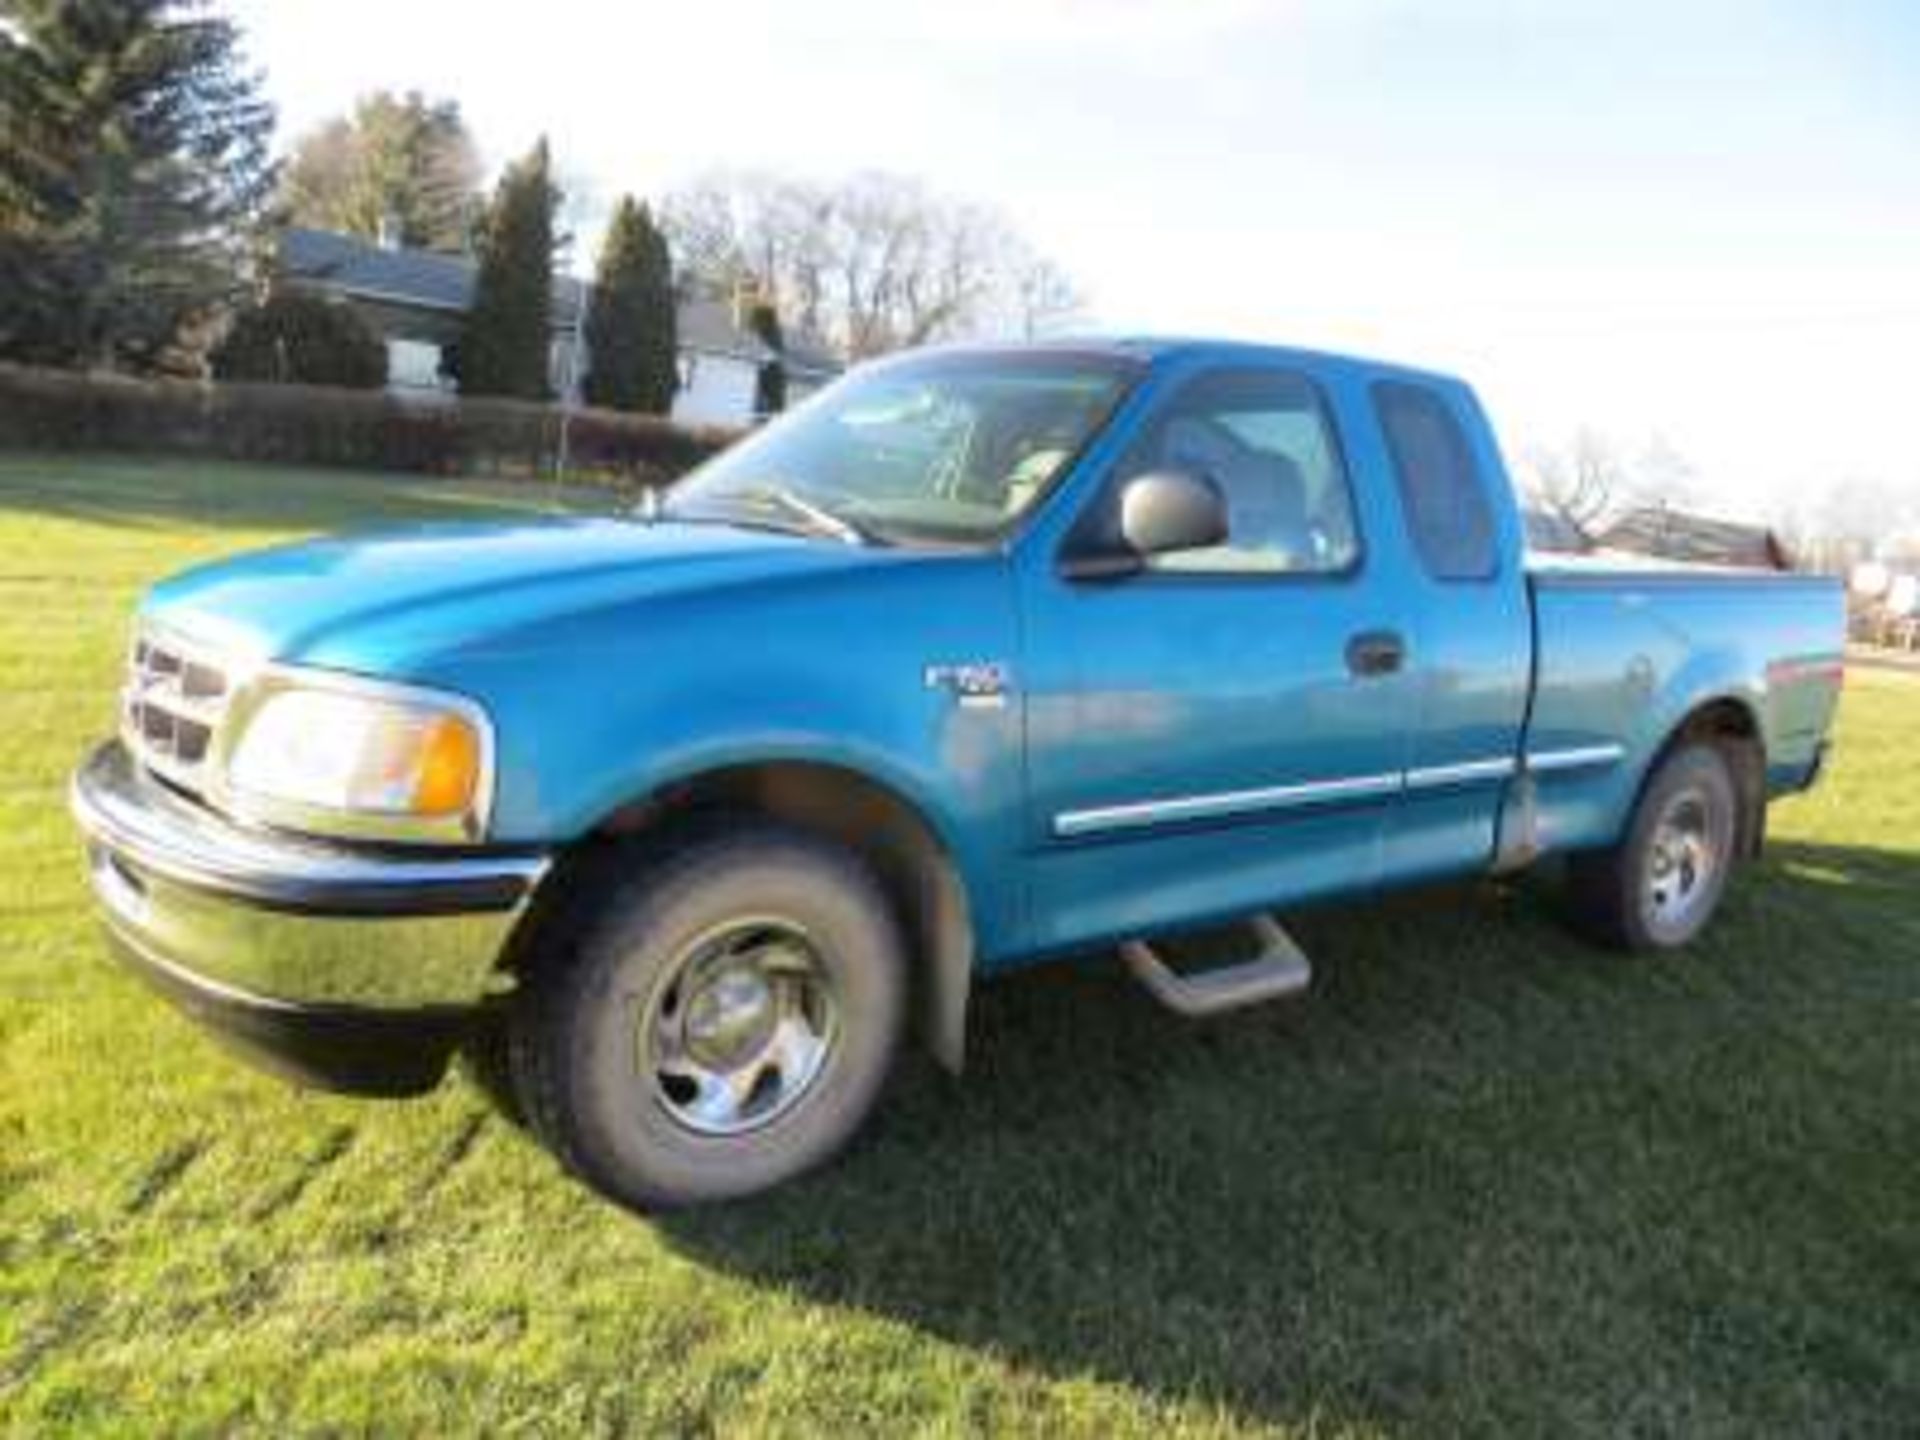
[[171, 709]]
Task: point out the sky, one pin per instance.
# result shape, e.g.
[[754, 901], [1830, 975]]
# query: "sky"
[[1674, 220]]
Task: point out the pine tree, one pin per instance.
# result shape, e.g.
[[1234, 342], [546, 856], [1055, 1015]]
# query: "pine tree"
[[632, 327], [505, 345], [133, 162]]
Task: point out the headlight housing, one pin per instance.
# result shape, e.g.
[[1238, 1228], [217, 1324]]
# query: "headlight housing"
[[341, 756]]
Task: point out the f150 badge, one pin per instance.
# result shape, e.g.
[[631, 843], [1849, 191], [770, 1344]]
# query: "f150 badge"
[[977, 685]]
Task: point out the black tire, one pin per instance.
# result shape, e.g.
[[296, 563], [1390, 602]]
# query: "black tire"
[[1631, 896], [486, 1065], [583, 1031]]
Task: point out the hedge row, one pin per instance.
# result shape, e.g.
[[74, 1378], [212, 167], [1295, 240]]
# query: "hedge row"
[[314, 425]]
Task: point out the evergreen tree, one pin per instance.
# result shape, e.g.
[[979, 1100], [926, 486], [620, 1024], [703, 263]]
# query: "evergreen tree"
[[632, 328], [402, 160], [294, 338], [770, 383], [133, 162], [505, 345]]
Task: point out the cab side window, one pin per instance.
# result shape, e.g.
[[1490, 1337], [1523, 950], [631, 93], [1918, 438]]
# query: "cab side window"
[[1263, 437], [1441, 492]]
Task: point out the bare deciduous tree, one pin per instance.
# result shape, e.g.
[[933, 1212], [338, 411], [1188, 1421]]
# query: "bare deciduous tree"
[[1586, 483], [867, 264], [402, 160], [1579, 485], [1046, 299], [1662, 476], [1836, 525]]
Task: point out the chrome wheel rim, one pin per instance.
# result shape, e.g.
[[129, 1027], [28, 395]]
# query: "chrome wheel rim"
[[740, 1028], [1683, 862]]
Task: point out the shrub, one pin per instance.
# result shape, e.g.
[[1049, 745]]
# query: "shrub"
[[315, 425], [301, 339]]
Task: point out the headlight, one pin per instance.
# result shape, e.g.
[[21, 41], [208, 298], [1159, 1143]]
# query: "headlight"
[[338, 756]]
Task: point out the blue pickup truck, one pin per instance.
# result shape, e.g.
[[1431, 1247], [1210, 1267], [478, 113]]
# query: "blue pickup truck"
[[681, 820]]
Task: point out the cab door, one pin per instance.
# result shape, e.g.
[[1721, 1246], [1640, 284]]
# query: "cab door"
[[1473, 628], [1225, 729]]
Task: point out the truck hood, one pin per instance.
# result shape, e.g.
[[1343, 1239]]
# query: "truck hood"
[[371, 602]]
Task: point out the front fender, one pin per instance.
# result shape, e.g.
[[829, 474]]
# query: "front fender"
[[607, 709]]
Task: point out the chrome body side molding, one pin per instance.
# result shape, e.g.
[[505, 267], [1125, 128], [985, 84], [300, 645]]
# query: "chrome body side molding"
[[1467, 772], [1231, 804], [1580, 757], [1222, 805]]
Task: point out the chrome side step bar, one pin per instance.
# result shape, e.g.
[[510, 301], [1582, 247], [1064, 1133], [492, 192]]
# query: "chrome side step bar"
[[1280, 969]]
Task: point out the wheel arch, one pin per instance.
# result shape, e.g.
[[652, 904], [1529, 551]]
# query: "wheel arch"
[[1731, 722], [914, 863]]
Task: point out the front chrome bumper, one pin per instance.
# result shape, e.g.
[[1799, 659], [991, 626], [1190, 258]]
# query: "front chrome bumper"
[[349, 968]]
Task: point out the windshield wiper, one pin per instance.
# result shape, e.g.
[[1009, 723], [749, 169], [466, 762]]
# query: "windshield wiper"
[[841, 527], [749, 505]]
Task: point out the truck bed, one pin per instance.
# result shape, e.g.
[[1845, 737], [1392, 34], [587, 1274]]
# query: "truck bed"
[[1625, 647]]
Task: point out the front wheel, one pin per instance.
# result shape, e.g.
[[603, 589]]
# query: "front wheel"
[[724, 1023], [1661, 884]]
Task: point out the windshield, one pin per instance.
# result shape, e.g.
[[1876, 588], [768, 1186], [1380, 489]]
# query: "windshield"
[[941, 448]]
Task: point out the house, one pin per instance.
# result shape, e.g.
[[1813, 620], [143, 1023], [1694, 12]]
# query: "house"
[[417, 301], [1677, 535]]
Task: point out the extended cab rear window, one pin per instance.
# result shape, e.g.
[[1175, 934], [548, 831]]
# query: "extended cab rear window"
[[1441, 492]]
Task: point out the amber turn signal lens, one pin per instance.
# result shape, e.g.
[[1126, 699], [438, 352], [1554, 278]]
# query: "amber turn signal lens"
[[449, 769]]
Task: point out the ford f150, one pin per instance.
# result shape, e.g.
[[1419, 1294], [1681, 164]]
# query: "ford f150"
[[980, 656]]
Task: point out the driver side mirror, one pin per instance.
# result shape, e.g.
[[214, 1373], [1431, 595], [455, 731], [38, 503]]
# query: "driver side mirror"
[[1160, 512]]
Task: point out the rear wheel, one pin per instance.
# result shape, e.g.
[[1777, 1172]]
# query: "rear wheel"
[[725, 1023], [1661, 884]]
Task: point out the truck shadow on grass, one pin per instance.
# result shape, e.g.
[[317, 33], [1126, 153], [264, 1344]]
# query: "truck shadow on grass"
[[1486, 1177]]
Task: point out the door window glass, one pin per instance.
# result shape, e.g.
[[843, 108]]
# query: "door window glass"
[[1263, 437]]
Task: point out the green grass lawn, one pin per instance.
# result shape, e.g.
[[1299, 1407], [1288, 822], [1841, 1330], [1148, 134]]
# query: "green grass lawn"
[[1485, 1179]]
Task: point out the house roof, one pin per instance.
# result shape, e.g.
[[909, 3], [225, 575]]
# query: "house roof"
[[707, 325], [431, 280], [1676, 535]]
